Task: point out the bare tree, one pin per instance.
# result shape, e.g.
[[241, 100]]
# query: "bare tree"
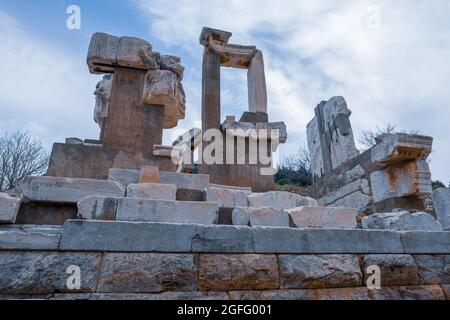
[[296, 168], [21, 155], [368, 138]]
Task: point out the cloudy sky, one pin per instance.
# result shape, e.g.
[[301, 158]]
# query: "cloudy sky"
[[389, 59]]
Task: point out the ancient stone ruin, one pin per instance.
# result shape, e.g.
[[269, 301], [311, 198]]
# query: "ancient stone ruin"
[[124, 217]]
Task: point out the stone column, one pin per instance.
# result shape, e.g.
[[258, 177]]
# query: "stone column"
[[256, 79], [211, 90]]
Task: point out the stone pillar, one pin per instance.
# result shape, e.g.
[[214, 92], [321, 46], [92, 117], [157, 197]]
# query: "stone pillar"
[[130, 123], [256, 79], [211, 90]]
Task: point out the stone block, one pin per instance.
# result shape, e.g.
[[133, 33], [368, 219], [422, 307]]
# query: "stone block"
[[401, 221], [263, 295], [426, 242], [131, 209], [123, 176], [441, 202], [319, 271], [356, 200], [97, 208], [164, 296], [30, 237], [279, 200], [356, 173], [341, 192], [149, 174], [341, 294], [396, 269], [9, 207], [311, 241], [412, 178], [185, 181], [432, 292], [227, 198], [127, 236], [321, 217], [46, 272], [152, 191], [241, 216], [446, 272], [68, 190], [229, 239], [430, 268], [147, 272], [269, 217], [237, 272]]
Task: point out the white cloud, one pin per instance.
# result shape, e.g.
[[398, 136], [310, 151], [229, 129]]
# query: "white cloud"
[[44, 89], [395, 70]]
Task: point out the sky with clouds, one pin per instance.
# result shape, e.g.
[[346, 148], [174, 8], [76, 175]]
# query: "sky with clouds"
[[389, 59]]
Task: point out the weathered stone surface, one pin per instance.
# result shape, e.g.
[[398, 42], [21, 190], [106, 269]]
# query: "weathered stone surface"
[[402, 220], [149, 174], [223, 239], [123, 176], [341, 193], [291, 240], [164, 296], [432, 292], [341, 294], [147, 272], [45, 272], [102, 101], [9, 207], [319, 271], [356, 200], [355, 174], [131, 209], [320, 217], [97, 208], [446, 272], [430, 268], [30, 238], [411, 178], [241, 216], [396, 269], [426, 242], [68, 190], [152, 191], [279, 200], [255, 295], [185, 181], [365, 187], [441, 202], [269, 217], [127, 236], [238, 272], [227, 198]]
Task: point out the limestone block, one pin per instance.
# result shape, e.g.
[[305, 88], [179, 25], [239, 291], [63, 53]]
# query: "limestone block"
[[279, 200], [127, 236], [401, 221], [102, 101], [268, 216], [426, 242], [227, 198], [147, 272], [319, 271], [432, 292], [342, 192], [30, 237], [441, 202], [356, 200], [401, 147], [131, 209], [46, 272], [226, 239], [74, 141], [256, 78], [9, 207], [356, 173], [123, 176], [302, 294], [396, 269], [430, 268], [365, 187], [412, 178], [164, 296], [152, 191], [185, 181], [237, 272], [68, 190], [241, 216], [320, 217], [172, 63], [314, 147], [149, 174], [97, 208], [162, 87], [310, 241]]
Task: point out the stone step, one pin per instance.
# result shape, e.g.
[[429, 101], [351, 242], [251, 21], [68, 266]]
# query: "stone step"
[[402, 221], [134, 209], [153, 191], [441, 201], [319, 217], [162, 237], [29, 237], [9, 207], [227, 198], [279, 200], [68, 190]]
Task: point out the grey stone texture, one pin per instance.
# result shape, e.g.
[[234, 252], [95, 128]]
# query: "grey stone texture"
[[402, 220], [279, 200], [152, 191], [227, 198], [441, 202], [30, 237], [9, 207], [396, 269], [322, 217]]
